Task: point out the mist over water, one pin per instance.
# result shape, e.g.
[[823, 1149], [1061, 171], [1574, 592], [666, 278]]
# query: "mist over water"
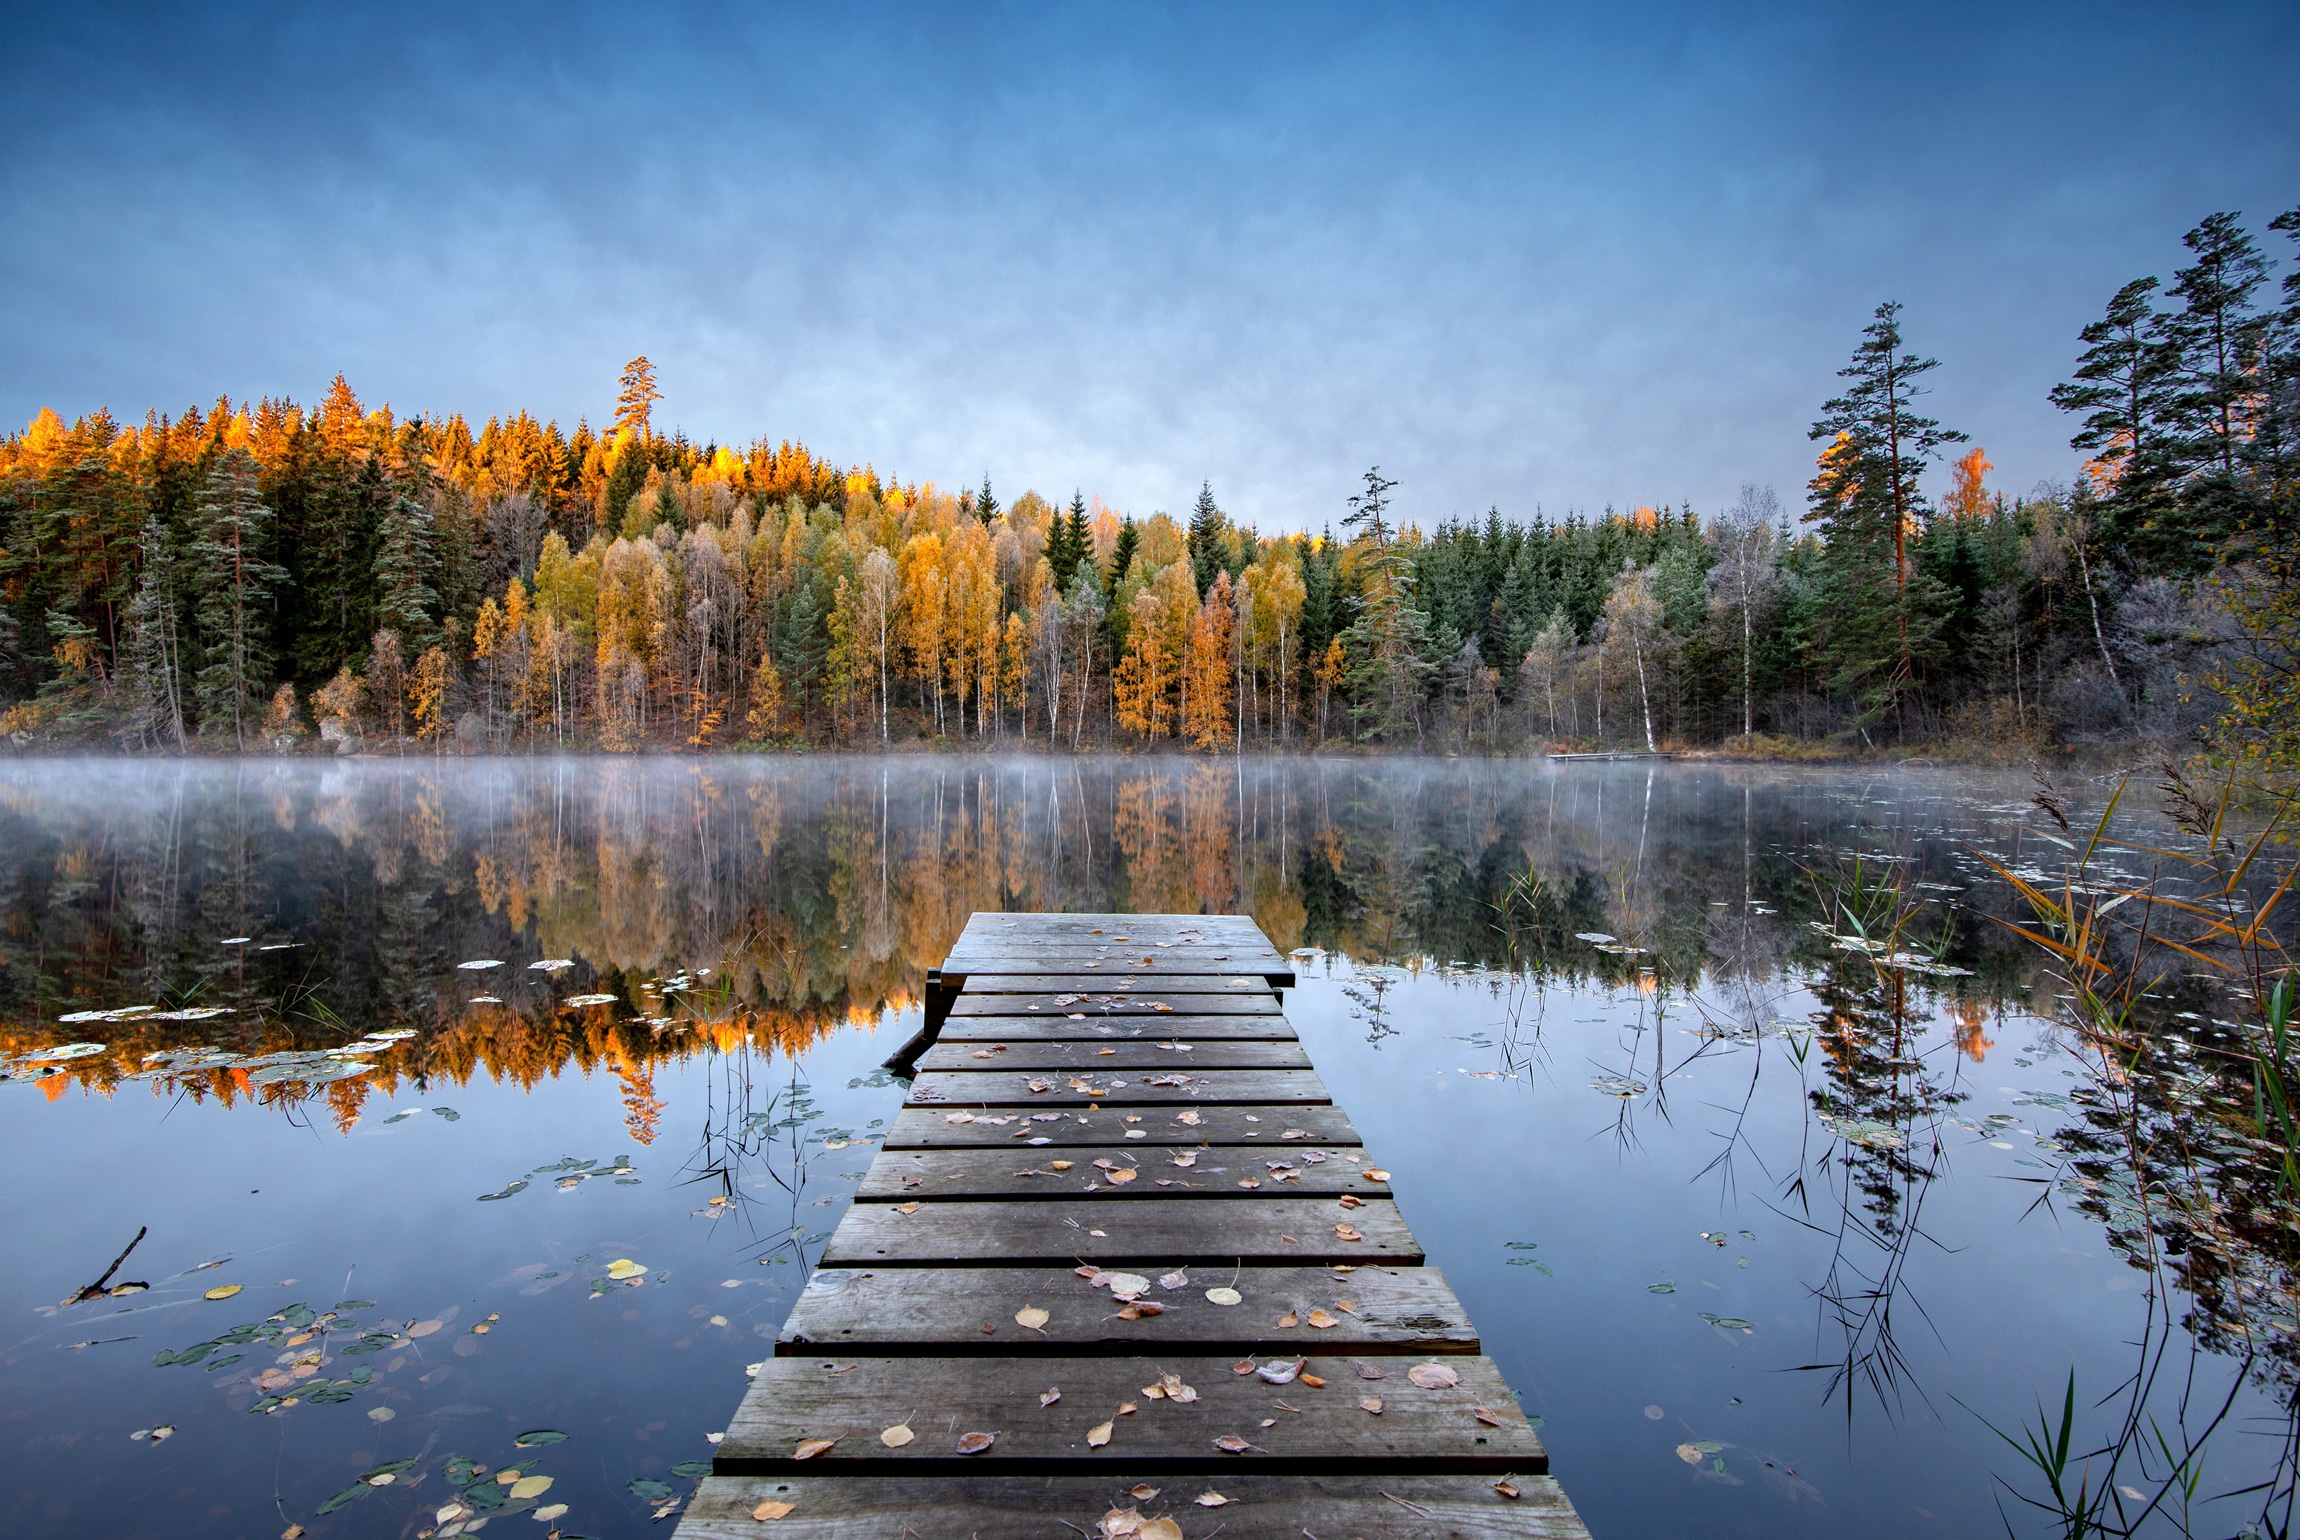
[[1762, 1216]]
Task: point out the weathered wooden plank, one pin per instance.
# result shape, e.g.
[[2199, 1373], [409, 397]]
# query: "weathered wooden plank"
[[1005, 1088], [1258, 1507], [1253, 1027], [931, 1128], [939, 1175], [1469, 1426], [1159, 1232], [1088, 968], [1151, 1055], [1115, 927], [1115, 981], [1130, 1006], [942, 1311]]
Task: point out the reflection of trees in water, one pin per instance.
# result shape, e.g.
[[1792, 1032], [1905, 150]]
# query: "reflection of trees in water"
[[821, 890]]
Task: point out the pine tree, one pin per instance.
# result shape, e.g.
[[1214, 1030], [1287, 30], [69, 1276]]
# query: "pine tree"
[[1867, 501], [2124, 384], [2218, 335], [635, 400], [985, 505], [234, 582], [151, 661]]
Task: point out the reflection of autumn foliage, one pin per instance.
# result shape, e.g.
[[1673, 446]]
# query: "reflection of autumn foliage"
[[1970, 1017], [1207, 824], [642, 1108]]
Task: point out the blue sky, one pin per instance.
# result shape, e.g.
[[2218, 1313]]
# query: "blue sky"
[[1513, 255]]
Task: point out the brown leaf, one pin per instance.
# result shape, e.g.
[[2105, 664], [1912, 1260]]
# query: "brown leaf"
[[1289, 1320], [1121, 1176], [1321, 1320], [1186, 1159], [1049, 1397], [1505, 1489], [907, 1208], [1031, 1317], [1175, 1389], [810, 1447], [1231, 1443], [1369, 1372], [1375, 1174], [1159, 1529], [896, 1436], [1098, 1435], [975, 1443], [1314, 1382], [1247, 1181], [1190, 1117], [1486, 1415], [1348, 1232], [1125, 1408], [1210, 1499], [1143, 1494], [1346, 1307], [1242, 1366], [1372, 1404], [770, 1509], [1132, 1312], [1434, 1376], [1061, 1165], [1153, 1392]]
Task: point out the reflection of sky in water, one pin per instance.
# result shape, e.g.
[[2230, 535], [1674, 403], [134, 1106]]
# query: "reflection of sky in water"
[[819, 892]]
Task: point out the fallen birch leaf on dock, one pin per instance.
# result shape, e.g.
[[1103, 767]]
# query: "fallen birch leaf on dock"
[[1321, 1320], [975, 1443], [1099, 1434], [1231, 1443], [1223, 1295], [810, 1447], [1210, 1499], [1375, 1174], [896, 1436], [1288, 1321], [770, 1509], [1434, 1376], [1371, 1404], [1050, 1396]]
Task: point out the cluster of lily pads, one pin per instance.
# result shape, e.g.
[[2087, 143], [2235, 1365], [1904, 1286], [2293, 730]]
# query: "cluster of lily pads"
[[567, 1174]]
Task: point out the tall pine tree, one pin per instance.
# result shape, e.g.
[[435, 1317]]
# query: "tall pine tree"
[[234, 582]]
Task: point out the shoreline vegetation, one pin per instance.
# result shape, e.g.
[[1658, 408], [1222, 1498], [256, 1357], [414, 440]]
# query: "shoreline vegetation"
[[264, 578]]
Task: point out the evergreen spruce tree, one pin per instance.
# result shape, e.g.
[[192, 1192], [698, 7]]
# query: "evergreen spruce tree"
[[2124, 384], [407, 571], [985, 505], [1208, 547], [234, 583], [2218, 334], [1066, 542]]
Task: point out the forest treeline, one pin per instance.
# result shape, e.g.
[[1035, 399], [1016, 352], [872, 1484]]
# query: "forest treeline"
[[261, 574]]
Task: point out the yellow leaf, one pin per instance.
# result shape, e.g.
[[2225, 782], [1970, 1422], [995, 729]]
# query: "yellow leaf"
[[225, 1291], [1031, 1317], [1098, 1435], [531, 1486], [770, 1509], [810, 1447], [1160, 1529], [897, 1436], [622, 1268]]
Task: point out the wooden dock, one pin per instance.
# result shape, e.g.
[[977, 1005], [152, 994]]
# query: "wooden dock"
[[1123, 1269]]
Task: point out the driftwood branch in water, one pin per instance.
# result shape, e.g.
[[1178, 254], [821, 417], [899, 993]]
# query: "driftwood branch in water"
[[103, 1285]]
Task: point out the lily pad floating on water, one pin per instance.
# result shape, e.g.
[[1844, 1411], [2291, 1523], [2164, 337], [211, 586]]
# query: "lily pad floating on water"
[[538, 1437], [1661, 1288], [1618, 1085], [508, 1191], [61, 1053], [691, 1468], [1728, 1322], [650, 1491]]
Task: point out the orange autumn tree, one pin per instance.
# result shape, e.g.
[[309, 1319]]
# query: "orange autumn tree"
[[1209, 690]]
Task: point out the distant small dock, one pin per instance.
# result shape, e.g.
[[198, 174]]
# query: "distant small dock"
[[1122, 1268], [1616, 754]]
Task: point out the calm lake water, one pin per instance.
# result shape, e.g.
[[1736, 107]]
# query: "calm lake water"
[[1759, 1229]]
